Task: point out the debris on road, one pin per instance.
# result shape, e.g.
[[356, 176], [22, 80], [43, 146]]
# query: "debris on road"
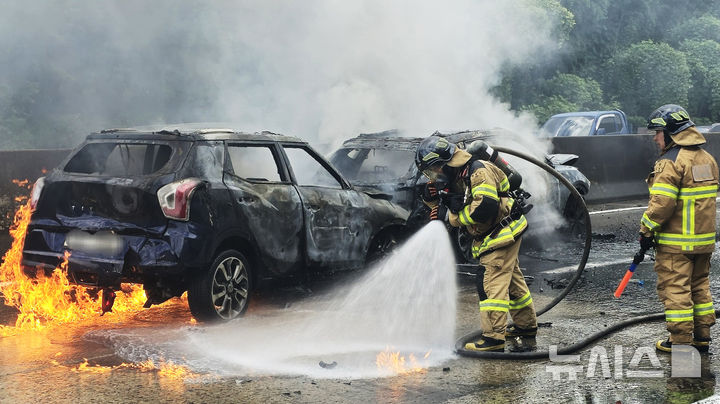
[[326, 365]]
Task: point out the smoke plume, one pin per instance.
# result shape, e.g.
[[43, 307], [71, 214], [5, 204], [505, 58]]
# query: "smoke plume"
[[320, 69]]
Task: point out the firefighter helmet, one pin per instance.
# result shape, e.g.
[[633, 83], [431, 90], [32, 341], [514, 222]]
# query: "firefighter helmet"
[[432, 151], [670, 118]]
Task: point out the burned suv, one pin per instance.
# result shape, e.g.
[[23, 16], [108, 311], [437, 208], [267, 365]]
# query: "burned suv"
[[213, 212], [384, 163]]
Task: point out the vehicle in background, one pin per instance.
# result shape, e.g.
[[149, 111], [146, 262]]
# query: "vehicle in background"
[[214, 212], [586, 123], [384, 163], [714, 128]]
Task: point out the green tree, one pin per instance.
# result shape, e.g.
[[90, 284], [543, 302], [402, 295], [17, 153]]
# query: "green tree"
[[566, 93], [519, 85], [549, 106], [588, 39], [646, 75], [584, 92], [704, 98], [706, 27], [563, 18]]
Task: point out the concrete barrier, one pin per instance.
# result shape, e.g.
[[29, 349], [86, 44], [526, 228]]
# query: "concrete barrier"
[[22, 165], [617, 165], [27, 164]]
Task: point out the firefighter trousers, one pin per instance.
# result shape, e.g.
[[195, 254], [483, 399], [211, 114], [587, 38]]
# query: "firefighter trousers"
[[683, 286], [502, 290]]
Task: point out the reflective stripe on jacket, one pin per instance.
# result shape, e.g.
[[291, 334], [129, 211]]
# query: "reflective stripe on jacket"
[[488, 182], [681, 211], [506, 236]]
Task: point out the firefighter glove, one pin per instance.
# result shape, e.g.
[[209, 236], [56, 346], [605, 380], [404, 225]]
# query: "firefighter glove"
[[646, 242], [430, 193], [455, 202], [439, 212]]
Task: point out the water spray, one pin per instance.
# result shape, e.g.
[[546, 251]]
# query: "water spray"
[[398, 317]]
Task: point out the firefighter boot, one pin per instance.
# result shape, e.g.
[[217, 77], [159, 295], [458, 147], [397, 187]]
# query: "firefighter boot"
[[664, 346], [701, 344], [486, 344], [701, 339], [515, 331]]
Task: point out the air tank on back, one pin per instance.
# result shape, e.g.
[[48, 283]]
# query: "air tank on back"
[[480, 149]]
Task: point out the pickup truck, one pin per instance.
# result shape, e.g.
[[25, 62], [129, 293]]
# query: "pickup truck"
[[586, 123]]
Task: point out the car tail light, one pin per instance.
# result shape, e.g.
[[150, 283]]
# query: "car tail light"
[[36, 191], [175, 198]]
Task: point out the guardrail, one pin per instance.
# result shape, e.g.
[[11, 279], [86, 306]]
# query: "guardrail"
[[21, 165], [27, 164], [617, 165]]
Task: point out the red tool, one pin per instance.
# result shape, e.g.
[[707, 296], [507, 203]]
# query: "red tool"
[[639, 256]]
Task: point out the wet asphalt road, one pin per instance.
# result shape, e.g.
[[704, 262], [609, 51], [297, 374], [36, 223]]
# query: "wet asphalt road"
[[47, 366]]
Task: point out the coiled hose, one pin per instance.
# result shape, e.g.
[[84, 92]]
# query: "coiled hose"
[[460, 344]]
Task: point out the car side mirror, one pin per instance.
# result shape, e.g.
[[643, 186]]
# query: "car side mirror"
[[600, 131]]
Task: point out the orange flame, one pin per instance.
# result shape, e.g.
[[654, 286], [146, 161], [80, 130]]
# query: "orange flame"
[[397, 363], [47, 300], [22, 183], [166, 369]]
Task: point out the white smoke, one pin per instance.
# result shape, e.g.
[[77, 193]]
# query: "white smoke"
[[320, 69]]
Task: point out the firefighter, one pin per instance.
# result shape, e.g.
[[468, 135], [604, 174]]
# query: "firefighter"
[[473, 193], [680, 224]]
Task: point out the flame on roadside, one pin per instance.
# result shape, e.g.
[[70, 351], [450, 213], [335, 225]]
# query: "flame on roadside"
[[47, 300], [399, 364], [165, 369]]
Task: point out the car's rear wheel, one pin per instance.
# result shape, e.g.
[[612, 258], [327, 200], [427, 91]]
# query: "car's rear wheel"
[[223, 292]]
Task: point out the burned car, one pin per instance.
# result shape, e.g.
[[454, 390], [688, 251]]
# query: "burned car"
[[210, 212], [383, 163]]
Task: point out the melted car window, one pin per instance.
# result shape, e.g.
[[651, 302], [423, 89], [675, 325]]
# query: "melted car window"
[[119, 159], [254, 163], [373, 165], [309, 171]]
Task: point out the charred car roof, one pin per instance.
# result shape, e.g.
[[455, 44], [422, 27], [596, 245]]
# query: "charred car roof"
[[190, 134], [394, 139]]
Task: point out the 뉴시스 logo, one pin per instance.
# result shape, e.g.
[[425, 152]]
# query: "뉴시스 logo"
[[684, 361]]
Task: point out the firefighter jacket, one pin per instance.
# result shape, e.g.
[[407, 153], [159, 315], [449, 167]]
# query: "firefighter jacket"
[[486, 203], [683, 187]]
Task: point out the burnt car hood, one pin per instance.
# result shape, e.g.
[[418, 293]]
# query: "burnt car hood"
[[377, 191]]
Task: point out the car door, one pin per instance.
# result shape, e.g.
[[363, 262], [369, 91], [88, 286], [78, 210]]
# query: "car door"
[[267, 203], [609, 124], [337, 229]]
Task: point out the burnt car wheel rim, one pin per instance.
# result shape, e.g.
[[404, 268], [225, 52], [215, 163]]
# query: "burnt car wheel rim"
[[386, 246], [230, 288]]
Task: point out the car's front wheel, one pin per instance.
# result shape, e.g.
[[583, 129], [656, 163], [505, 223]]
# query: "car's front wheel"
[[381, 247], [223, 292], [574, 214]]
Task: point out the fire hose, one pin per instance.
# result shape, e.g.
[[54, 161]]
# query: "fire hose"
[[460, 344]]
